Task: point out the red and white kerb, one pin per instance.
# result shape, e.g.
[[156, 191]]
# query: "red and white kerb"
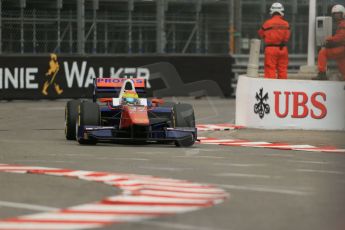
[[218, 127], [262, 144], [143, 197]]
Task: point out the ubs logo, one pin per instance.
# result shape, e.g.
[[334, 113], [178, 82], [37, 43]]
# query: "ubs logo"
[[261, 108]]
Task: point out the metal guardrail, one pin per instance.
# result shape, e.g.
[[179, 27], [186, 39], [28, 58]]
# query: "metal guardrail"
[[295, 62], [241, 62]]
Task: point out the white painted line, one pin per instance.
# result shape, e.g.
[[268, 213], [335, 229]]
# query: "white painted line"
[[251, 143], [22, 141], [146, 182], [79, 217], [217, 141], [268, 145], [102, 178], [131, 159], [152, 153], [167, 225], [336, 151], [198, 157], [240, 165], [159, 209], [78, 173], [184, 189], [256, 188], [44, 161], [180, 195], [26, 206], [47, 108], [46, 226], [167, 169], [320, 171], [121, 159], [211, 157], [151, 200], [192, 152], [322, 150], [156, 179], [278, 155], [203, 138], [246, 175], [4, 167], [292, 146], [310, 162], [208, 150]]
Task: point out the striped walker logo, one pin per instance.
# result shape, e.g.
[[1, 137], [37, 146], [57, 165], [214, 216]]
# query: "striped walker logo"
[[53, 70], [261, 108]]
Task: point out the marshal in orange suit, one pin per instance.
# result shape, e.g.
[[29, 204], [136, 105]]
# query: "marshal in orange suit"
[[276, 33], [335, 45]]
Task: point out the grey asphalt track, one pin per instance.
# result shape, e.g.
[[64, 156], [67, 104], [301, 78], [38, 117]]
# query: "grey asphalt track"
[[269, 189]]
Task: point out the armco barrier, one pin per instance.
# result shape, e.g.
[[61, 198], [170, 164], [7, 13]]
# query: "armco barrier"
[[290, 104], [49, 77]]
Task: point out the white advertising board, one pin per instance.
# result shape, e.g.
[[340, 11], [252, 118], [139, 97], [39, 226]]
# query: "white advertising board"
[[290, 104]]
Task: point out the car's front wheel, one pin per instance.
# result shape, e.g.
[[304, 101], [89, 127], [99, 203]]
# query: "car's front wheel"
[[71, 114], [183, 117], [88, 115]]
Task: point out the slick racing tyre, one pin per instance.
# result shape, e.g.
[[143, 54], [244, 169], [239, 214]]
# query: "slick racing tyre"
[[187, 142], [71, 114], [183, 116], [89, 114]]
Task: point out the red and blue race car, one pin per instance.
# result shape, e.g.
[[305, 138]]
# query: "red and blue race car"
[[120, 112]]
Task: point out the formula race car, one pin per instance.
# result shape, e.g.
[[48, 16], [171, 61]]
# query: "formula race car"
[[121, 112]]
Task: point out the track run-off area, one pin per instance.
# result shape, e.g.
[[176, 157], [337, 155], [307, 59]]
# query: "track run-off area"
[[233, 178]]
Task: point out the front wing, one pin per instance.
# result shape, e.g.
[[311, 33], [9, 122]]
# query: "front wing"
[[107, 133]]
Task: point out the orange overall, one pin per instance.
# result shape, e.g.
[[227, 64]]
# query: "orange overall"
[[335, 49], [276, 33]]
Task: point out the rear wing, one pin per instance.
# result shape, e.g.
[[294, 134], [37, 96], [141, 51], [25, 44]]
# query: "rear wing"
[[112, 87], [118, 82]]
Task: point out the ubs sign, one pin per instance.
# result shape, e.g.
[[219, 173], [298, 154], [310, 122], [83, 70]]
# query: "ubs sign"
[[290, 104], [302, 104]]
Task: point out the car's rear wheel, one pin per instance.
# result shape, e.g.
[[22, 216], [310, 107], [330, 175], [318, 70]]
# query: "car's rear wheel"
[[183, 117], [89, 114], [71, 114]]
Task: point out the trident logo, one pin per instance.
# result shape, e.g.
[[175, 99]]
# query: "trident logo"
[[261, 107]]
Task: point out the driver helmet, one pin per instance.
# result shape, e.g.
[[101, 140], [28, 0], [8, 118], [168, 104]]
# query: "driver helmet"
[[130, 97]]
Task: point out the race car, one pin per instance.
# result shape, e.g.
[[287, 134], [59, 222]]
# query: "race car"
[[120, 112]]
